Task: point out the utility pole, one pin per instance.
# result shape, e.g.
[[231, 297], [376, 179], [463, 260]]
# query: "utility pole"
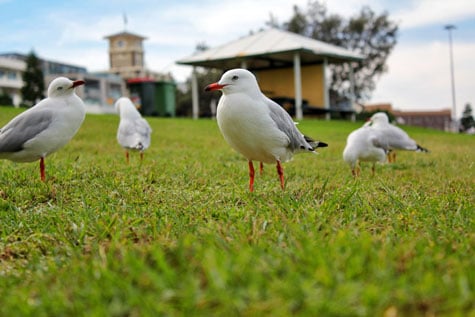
[[449, 28]]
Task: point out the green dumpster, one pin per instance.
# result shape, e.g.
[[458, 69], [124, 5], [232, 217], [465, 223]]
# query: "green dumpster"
[[165, 98], [154, 98]]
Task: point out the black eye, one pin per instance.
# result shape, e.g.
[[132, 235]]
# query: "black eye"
[[235, 77], [60, 88]]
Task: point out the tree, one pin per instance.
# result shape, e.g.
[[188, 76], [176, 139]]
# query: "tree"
[[204, 77], [467, 121], [33, 80], [371, 35], [5, 99]]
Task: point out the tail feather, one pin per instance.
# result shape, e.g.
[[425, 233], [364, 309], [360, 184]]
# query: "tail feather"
[[421, 149], [319, 144], [314, 144], [139, 146]]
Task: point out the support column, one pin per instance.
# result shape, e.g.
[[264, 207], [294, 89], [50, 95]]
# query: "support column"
[[104, 89], [352, 92], [326, 94], [298, 87], [194, 94]]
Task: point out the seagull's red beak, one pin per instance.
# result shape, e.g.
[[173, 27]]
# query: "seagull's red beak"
[[78, 83], [214, 86]]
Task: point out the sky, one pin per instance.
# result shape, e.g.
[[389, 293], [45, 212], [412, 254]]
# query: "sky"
[[418, 75]]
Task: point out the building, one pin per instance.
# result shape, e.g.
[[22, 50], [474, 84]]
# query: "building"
[[102, 89], [11, 78], [127, 57], [152, 92], [99, 93], [49, 67], [439, 119], [291, 68]]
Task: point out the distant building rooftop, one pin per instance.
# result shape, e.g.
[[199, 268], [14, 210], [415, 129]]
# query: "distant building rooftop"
[[125, 33], [436, 119], [49, 67]]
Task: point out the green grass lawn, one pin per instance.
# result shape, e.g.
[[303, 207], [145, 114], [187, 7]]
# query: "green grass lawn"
[[180, 235]]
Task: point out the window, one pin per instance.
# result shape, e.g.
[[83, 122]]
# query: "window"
[[11, 75]]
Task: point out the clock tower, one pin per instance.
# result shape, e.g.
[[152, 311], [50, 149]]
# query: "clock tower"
[[126, 55]]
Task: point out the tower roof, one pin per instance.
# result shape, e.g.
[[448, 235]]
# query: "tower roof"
[[125, 34]]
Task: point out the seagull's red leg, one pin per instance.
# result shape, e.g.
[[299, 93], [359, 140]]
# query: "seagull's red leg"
[[373, 168], [355, 170], [392, 157], [261, 168], [141, 156], [280, 171], [127, 156], [42, 169], [251, 176]]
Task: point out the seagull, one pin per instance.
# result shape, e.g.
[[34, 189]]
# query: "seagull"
[[134, 131], [397, 138], [365, 144], [45, 127], [256, 126]]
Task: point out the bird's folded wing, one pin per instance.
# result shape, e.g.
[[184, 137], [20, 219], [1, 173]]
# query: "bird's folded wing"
[[126, 129], [129, 133], [399, 139], [143, 127], [379, 142], [23, 128], [285, 124]]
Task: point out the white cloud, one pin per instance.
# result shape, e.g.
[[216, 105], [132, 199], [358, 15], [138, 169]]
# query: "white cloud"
[[174, 31], [411, 13], [427, 12], [419, 77], [213, 23], [349, 8]]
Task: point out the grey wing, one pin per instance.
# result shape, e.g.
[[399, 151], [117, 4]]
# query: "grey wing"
[[285, 123], [131, 133], [125, 133], [379, 141], [23, 128], [143, 128], [399, 139]]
